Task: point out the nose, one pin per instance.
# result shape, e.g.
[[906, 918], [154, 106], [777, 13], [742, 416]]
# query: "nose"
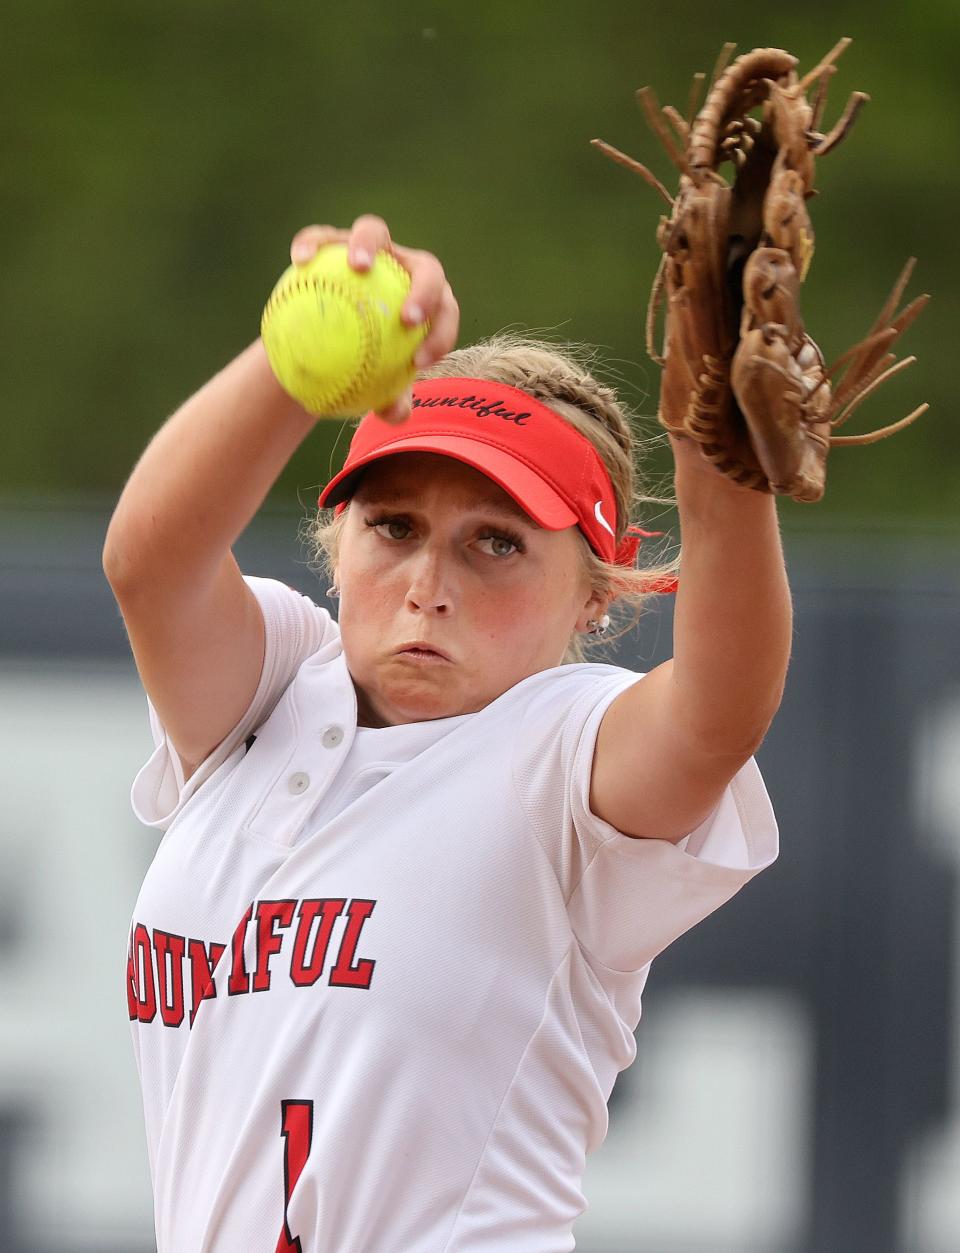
[[429, 589]]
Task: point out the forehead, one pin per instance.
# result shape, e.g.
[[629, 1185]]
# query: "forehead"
[[406, 478]]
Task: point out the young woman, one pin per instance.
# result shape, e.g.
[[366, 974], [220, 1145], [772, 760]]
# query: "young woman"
[[387, 961]]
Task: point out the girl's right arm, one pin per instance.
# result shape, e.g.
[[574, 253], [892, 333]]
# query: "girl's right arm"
[[195, 628]]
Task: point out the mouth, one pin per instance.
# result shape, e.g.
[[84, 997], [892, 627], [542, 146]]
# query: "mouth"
[[420, 651]]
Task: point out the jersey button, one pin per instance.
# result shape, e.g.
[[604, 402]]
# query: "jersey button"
[[332, 737], [298, 782]]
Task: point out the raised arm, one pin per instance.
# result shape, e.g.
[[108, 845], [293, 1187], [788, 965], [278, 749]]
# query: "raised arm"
[[670, 744], [194, 626]]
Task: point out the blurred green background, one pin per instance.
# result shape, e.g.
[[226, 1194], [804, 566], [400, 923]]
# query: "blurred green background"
[[158, 158]]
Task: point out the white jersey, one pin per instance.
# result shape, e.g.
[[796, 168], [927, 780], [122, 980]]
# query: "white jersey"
[[381, 981]]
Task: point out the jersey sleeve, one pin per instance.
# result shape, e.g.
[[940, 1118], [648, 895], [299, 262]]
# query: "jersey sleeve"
[[294, 628], [628, 899]]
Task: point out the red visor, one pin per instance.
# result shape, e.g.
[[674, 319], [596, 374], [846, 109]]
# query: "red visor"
[[551, 471]]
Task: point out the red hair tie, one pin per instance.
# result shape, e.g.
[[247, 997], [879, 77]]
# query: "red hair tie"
[[626, 555]]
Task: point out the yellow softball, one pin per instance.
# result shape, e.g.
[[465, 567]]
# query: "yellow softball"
[[334, 337]]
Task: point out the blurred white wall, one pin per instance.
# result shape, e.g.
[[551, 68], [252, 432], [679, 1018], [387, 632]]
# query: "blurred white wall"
[[71, 860], [931, 1184], [711, 1148]]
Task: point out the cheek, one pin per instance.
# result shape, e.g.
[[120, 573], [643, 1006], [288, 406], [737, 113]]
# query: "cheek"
[[361, 563], [369, 592], [527, 609], [361, 569]]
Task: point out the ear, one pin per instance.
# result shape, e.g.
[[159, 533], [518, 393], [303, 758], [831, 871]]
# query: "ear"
[[593, 609]]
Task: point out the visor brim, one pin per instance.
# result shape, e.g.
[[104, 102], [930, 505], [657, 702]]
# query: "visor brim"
[[532, 493]]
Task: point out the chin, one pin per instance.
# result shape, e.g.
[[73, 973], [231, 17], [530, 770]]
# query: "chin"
[[425, 706], [419, 701]]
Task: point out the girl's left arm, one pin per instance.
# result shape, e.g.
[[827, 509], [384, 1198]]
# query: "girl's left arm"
[[669, 745]]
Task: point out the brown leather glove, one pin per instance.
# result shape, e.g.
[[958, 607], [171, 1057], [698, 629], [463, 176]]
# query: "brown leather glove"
[[741, 376]]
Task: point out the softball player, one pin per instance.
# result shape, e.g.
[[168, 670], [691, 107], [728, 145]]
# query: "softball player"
[[387, 961]]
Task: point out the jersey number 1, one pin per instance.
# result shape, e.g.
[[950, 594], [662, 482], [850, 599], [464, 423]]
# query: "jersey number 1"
[[296, 1127]]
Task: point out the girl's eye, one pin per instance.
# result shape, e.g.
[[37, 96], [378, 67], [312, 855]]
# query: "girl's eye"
[[376, 523], [498, 541], [504, 544]]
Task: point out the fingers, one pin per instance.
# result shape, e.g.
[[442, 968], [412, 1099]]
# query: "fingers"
[[398, 412], [306, 241], [443, 313], [430, 298], [368, 236], [444, 327]]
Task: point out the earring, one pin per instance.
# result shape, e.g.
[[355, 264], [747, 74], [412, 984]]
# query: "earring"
[[333, 591], [599, 628]]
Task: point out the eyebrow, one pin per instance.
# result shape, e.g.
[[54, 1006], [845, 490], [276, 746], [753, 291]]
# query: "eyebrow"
[[489, 504]]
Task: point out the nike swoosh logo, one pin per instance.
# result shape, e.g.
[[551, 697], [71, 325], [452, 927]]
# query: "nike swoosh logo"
[[601, 519]]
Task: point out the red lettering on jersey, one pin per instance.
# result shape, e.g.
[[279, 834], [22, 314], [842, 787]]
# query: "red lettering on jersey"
[[202, 966], [303, 971], [143, 974], [170, 949], [155, 975], [131, 982], [269, 914], [296, 1127], [345, 975], [239, 981]]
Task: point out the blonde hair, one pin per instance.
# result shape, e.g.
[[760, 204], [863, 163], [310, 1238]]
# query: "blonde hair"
[[560, 376]]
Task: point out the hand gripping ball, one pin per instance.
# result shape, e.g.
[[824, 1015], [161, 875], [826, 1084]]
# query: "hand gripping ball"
[[334, 337]]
